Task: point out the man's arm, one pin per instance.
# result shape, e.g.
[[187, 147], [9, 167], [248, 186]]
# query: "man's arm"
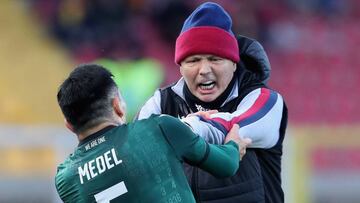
[[219, 160], [258, 115]]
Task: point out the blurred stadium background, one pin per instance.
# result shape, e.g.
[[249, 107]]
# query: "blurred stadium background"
[[313, 46]]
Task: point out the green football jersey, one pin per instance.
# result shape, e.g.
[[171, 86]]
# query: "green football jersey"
[[140, 162]]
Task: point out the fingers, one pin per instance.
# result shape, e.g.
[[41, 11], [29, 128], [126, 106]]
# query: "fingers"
[[243, 143], [205, 114], [242, 153], [233, 135], [247, 141], [212, 111], [234, 129]]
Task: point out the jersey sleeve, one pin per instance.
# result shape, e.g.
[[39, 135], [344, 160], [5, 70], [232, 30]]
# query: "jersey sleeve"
[[219, 160], [259, 116]]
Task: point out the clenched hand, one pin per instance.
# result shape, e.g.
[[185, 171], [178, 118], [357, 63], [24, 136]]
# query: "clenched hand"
[[242, 142]]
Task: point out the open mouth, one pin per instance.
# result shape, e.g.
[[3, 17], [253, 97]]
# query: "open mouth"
[[207, 85]]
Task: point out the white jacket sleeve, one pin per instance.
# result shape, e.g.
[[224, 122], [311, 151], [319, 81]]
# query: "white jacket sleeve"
[[259, 116], [152, 106], [213, 135]]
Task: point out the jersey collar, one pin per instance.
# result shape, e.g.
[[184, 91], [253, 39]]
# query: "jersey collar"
[[97, 134]]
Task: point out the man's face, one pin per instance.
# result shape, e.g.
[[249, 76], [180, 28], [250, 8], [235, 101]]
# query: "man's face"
[[207, 76]]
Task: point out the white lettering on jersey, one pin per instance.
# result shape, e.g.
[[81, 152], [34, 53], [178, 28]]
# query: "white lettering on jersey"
[[99, 165], [109, 165], [95, 143], [116, 160], [83, 172], [92, 168]]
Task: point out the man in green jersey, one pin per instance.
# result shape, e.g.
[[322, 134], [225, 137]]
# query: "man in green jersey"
[[135, 162]]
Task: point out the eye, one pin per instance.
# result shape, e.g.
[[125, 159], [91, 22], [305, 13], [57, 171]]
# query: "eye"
[[191, 60], [215, 59]]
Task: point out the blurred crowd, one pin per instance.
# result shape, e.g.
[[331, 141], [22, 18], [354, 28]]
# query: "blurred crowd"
[[115, 29], [312, 44]]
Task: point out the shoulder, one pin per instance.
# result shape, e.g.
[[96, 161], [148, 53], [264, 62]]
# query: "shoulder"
[[264, 92], [260, 102], [63, 174], [164, 119], [170, 124], [65, 180], [64, 167], [168, 87], [157, 119], [174, 89], [152, 106]]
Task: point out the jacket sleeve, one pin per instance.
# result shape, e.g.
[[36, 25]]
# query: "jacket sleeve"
[[259, 116], [219, 160], [152, 106]]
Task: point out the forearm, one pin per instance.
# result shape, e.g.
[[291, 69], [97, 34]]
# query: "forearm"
[[205, 130], [222, 160]]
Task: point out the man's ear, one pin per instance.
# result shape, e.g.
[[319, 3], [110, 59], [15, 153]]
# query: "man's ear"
[[117, 107], [181, 70], [69, 126]]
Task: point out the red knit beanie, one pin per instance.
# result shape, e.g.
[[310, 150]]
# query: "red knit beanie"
[[207, 31]]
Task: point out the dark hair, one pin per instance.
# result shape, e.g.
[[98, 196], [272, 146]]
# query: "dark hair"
[[85, 97]]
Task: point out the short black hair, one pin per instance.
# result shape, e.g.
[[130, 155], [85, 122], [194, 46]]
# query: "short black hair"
[[85, 97]]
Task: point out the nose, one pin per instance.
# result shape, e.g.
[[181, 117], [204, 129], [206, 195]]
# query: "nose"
[[205, 67]]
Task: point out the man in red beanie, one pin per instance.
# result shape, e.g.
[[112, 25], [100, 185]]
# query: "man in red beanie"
[[229, 74]]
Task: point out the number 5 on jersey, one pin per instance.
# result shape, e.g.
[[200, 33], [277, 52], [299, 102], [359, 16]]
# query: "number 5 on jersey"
[[111, 193]]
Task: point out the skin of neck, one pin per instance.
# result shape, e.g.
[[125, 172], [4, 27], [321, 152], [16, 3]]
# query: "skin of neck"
[[97, 128]]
